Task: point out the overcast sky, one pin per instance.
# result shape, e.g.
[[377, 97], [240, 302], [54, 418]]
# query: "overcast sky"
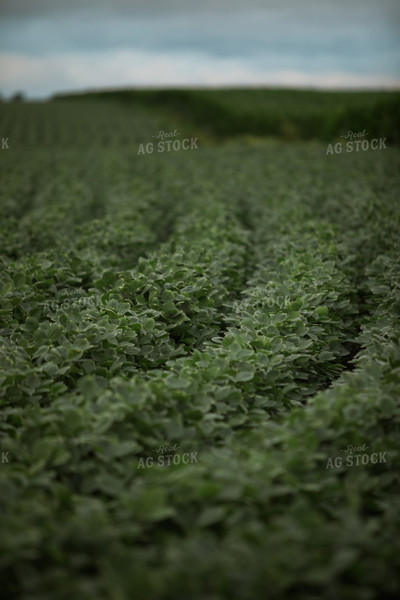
[[48, 46]]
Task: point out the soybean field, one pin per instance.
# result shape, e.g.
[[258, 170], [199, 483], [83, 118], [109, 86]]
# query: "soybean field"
[[199, 346]]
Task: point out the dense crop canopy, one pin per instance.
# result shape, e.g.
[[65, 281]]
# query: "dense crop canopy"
[[236, 308]]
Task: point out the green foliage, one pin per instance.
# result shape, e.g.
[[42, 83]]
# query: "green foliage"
[[240, 303], [287, 114]]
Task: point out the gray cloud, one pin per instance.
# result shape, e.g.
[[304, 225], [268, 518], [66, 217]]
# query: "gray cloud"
[[253, 32], [152, 8], [351, 37], [388, 9]]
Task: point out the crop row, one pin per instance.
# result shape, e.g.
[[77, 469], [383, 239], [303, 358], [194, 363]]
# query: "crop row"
[[142, 317], [260, 515], [288, 114], [238, 323], [55, 126]]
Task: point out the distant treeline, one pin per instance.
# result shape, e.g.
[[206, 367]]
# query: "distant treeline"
[[283, 113]]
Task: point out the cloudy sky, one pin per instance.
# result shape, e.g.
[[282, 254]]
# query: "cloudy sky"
[[48, 46]]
